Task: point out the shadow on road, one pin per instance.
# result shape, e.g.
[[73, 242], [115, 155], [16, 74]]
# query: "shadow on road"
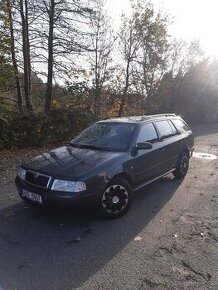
[[47, 250]]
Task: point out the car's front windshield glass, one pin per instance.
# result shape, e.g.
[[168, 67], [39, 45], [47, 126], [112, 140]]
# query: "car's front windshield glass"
[[111, 136]]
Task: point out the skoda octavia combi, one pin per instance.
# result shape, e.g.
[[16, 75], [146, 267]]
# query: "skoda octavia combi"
[[107, 162]]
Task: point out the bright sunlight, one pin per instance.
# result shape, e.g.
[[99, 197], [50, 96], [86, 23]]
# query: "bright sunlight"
[[191, 19]]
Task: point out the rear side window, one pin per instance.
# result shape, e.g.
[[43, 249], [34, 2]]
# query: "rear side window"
[[147, 134], [165, 129], [180, 125]]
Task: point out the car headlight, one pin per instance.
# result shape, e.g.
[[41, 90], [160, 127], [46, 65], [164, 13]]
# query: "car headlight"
[[70, 186], [22, 173]]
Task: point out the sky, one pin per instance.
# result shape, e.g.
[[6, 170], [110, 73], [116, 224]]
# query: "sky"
[[191, 19]]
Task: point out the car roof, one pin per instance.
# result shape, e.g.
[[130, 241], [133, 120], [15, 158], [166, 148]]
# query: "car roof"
[[138, 119]]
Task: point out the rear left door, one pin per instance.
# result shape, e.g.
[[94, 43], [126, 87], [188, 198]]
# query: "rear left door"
[[172, 143]]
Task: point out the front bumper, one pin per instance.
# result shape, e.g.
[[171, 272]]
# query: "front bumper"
[[58, 198]]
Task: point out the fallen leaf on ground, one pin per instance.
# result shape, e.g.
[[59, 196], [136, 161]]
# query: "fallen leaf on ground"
[[138, 238]]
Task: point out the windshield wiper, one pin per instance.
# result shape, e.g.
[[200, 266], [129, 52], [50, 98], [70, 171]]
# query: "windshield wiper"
[[88, 146], [75, 145]]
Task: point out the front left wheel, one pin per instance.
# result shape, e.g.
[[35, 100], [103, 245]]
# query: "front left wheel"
[[116, 198]]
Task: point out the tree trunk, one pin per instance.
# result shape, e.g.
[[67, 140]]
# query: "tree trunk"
[[120, 113], [50, 58], [13, 56], [28, 49], [26, 54], [97, 91]]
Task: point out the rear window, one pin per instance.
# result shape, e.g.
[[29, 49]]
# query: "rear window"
[[165, 129], [180, 125]]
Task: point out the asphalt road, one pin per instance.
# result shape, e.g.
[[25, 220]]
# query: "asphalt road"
[[168, 240]]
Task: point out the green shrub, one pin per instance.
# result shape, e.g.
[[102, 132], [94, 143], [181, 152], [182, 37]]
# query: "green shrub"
[[22, 130]]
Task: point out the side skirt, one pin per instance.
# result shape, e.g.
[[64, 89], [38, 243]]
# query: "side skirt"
[[154, 179]]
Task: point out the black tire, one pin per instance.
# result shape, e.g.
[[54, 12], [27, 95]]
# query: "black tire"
[[182, 165], [116, 199]]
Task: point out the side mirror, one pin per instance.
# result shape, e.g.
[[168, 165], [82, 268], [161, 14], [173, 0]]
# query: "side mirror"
[[144, 146]]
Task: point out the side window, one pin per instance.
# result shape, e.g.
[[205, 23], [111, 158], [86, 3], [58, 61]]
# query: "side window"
[[147, 134], [173, 128], [180, 125], [165, 129]]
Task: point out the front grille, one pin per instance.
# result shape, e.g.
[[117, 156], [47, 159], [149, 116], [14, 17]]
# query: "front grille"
[[37, 179]]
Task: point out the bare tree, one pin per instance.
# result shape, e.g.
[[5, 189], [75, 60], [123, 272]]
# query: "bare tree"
[[13, 54], [182, 59], [57, 31], [100, 56], [51, 13], [129, 45], [152, 55], [182, 55], [24, 11], [8, 24]]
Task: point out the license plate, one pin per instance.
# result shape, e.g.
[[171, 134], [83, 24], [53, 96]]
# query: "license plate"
[[32, 196]]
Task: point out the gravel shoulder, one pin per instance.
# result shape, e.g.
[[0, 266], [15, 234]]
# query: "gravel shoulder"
[[168, 240]]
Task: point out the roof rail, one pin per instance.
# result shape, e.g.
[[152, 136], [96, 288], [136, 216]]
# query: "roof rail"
[[106, 118], [145, 116], [163, 115]]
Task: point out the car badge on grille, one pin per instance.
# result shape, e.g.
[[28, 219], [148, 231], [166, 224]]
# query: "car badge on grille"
[[35, 175]]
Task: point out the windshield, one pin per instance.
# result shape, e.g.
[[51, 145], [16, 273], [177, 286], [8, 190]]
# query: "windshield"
[[111, 136]]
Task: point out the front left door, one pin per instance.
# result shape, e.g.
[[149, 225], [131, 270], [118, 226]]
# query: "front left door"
[[146, 164]]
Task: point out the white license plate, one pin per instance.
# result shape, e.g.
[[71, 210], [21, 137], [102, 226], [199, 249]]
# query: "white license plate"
[[32, 196]]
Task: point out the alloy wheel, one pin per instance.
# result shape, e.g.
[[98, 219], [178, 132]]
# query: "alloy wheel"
[[115, 199]]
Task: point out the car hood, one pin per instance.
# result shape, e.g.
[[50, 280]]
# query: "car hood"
[[69, 161]]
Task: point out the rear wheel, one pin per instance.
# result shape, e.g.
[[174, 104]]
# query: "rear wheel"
[[116, 199], [182, 165]]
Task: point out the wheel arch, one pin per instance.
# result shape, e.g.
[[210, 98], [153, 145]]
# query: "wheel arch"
[[125, 176], [186, 150]]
